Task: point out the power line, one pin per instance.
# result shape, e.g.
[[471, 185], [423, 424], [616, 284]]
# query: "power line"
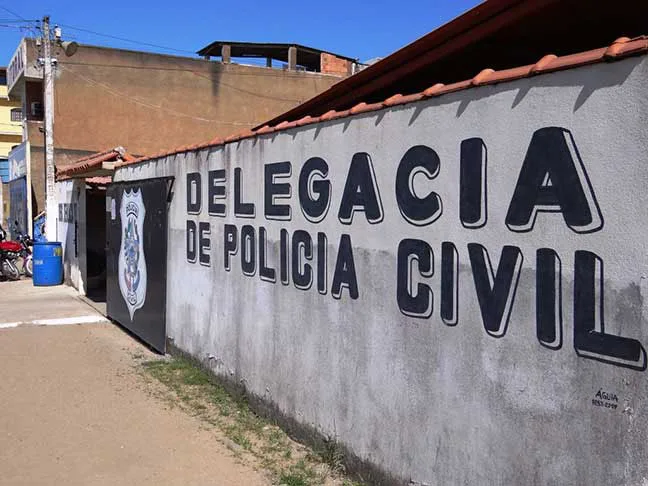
[[13, 13], [14, 21], [6, 26], [124, 39]]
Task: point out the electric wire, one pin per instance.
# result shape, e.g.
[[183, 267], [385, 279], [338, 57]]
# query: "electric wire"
[[13, 13], [124, 39]]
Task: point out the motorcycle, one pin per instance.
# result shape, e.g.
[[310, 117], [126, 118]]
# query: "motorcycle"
[[9, 253], [25, 253]]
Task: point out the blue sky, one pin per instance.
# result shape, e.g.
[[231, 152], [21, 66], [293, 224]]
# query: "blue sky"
[[357, 28]]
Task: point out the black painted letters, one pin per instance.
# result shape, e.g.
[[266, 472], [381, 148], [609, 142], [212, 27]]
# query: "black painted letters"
[[361, 191], [553, 179], [419, 211]]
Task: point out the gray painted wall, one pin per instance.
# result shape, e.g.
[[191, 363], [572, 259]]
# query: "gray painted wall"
[[71, 231], [439, 403]]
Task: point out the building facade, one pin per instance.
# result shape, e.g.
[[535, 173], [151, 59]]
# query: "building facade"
[[10, 136], [449, 284]]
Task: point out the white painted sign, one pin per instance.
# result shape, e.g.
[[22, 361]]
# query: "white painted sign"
[[18, 162]]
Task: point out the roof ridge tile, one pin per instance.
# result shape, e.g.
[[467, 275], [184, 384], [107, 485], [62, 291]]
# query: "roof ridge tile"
[[482, 77], [434, 90], [542, 64]]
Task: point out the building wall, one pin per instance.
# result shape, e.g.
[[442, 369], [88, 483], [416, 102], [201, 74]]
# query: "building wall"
[[109, 97], [7, 142], [71, 231], [10, 131], [10, 136], [433, 321], [334, 65], [34, 98], [37, 177]]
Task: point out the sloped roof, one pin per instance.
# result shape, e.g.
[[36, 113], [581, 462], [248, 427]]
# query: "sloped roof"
[[621, 48], [93, 165], [500, 34], [274, 50]]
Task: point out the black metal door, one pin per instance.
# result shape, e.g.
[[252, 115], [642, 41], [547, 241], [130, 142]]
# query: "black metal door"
[[136, 252]]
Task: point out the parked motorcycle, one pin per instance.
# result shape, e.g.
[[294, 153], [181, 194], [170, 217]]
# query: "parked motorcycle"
[[25, 253], [9, 253]]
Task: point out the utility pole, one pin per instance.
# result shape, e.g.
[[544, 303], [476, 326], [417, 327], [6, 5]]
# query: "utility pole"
[[50, 185]]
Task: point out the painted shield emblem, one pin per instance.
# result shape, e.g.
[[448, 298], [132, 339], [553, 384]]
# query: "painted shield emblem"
[[132, 264]]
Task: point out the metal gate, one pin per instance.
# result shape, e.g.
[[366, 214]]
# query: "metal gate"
[[136, 254], [17, 206]]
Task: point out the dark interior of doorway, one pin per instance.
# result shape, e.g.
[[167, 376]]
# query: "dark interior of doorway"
[[96, 244]]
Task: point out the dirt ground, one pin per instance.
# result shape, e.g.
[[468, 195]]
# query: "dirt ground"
[[75, 410]]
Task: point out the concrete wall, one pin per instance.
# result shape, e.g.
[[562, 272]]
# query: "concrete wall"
[[468, 307], [145, 102], [71, 231]]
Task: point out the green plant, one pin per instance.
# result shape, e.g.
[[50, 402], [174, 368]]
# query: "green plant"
[[332, 454], [198, 393]]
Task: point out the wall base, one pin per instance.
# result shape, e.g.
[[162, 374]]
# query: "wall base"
[[356, 467]]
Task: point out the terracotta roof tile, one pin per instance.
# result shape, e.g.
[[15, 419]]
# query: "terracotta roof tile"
[[217, 141], [509, 74], [105, 180], [459, 86], [265, 129], [93, 161], [542, 64], [434, 90], [282, 125], [393, 100], [412, 98], [616, 47], [482, 77], [302, 121], [620, 48], [364, 107]]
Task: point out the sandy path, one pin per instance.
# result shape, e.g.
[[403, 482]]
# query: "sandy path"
[[74, 411]]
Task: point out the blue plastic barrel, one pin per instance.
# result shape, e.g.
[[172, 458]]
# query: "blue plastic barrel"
[[48, 263]]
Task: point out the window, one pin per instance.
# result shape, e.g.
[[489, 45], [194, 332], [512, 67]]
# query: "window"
[[37, 110], [16, 114]]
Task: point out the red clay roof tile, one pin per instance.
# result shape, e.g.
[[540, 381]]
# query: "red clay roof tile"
[[329, 115], [265, 129], [103, 180], [93, 161], [509, 74], [412, 98], [393, 100], [433, 90], [620, 48], [364, 108], [542, 64], [482, 77], [302, 121]]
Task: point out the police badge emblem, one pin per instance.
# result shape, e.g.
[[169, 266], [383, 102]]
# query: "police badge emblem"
[[132, 263]]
